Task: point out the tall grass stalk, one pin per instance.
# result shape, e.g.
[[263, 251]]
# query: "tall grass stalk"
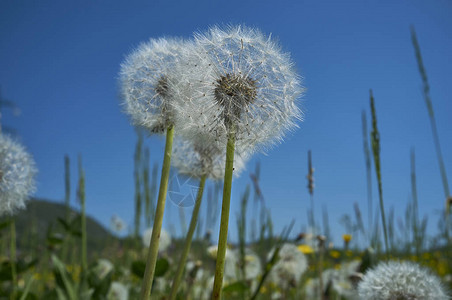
[[137, 178], [223, 238], [417, 238], [81, 197], [13, 258], [148, 204], [67, 197], [241, 227], [188, 239], [155, 238], [368, 173], [310, 178], [375, 137], [428, 103]]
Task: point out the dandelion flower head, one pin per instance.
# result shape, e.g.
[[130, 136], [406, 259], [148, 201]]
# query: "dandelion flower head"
[[17, 173], [145, 86], [400, 280], [238, 80]]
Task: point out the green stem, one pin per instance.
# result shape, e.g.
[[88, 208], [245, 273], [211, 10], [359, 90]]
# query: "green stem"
[[222, 240], [155, 238], [188, 239], [13, 258], [81, 194], [375, 137]]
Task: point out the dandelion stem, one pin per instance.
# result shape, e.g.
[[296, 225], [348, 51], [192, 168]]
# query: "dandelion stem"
[[155, 238], [222, 240], [13, 258], [188, 239]]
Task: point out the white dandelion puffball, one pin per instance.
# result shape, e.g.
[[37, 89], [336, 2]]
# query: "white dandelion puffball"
[[117, 224], [400, 280], [118, 291], [145, 84], [237, 80], [17, 173], [204, 158], [165, 239], [103, 267], [288, 269], [338, 279]]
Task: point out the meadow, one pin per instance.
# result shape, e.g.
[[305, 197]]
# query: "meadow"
[[62, 261]]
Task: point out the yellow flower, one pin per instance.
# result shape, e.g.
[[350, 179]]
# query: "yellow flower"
[[347, 238], [306, 249], [335, 254]]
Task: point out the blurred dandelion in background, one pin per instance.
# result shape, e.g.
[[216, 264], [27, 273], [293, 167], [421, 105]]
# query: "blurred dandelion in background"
[[17, 176], [165, 239], [291, 265]]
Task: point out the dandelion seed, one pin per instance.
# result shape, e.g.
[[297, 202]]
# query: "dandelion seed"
[[400, 280], [17, 172]]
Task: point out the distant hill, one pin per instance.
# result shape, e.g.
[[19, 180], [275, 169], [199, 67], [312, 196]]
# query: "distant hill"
[[41, 216]]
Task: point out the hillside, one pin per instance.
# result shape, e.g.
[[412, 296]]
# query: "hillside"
[[41, 218]]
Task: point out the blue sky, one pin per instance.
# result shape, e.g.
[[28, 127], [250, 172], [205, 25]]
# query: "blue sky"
[[59, 62]]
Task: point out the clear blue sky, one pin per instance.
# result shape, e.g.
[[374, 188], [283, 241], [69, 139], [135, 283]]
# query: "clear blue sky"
[[59, 62]]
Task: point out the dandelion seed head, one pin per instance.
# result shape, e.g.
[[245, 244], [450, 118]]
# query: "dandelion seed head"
[[145, 85], [118, 291], [165, 239], [291, 265], [117, 224], [197, 159], [238, 80], [400, 280], [103, 267], [17, 176]]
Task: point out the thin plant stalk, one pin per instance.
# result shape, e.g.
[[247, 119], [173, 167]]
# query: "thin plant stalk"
[[157, 227], [67, 196], [81, 195], [375, 137], [368, 174], [222, 240], [428, 102], [137, 178], [13, 258], [188, 239]]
